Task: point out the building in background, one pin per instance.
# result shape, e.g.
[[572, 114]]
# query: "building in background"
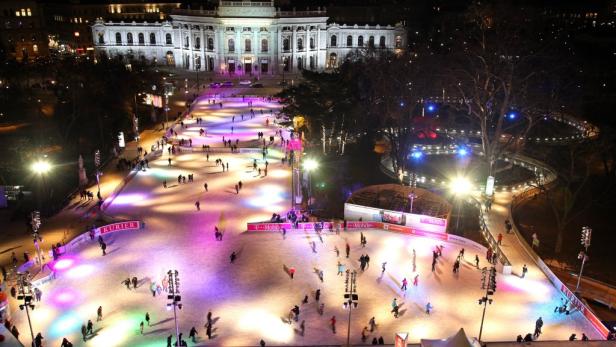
[[22, 35], [244, 38]]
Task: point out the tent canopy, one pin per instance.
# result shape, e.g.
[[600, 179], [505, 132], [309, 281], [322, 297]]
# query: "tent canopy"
[[458, 340]]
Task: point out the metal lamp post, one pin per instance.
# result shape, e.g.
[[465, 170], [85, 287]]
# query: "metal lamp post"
[[25, 294], [97, 166], [35, 222], [174, 296], [350, 298], [583, 255], [412, 197], [488, 282]]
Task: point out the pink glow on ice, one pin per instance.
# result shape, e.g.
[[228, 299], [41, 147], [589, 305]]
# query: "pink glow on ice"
[[63, 264], [81, 271], [128, 199], [528, 285]]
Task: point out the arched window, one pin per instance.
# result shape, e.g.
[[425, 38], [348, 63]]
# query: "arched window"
[[360, 41], [333, 41], [398, 42], [129, 38], [197, 42], [312, 43], [382, 42], [231, 44], [300, 44], [349, 41], [186, 41], [285, 44], [210, 43], [141, 39], [118, 38], [168, 39], [152, 38], [101, 39], [311, 62], [264, 46], [247, 45], [371, 42]]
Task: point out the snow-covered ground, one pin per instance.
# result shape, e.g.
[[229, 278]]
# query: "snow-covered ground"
[[251, 298]]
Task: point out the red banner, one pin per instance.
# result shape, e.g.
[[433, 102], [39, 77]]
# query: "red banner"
[[121, 226]]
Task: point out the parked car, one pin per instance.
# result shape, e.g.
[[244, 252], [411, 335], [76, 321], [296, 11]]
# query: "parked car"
[[215, 85], [257, 85], [227, 84]]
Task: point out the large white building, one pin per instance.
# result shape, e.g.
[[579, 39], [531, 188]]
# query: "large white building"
[[244, 37]]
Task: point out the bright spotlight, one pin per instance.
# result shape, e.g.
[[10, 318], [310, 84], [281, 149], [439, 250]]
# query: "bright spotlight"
[[512, 115], [460, 186], [311, 164], [41, 167], [416, 154], [463, 151], [431, 108]]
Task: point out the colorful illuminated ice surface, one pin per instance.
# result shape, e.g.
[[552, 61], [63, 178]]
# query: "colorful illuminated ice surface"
[[250, 299]]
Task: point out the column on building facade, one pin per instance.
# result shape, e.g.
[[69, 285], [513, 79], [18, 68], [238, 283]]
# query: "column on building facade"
[[220, 45], [191, 57], [202, 57], [292, 62], [279, 52], [256, 46], [238, 51], [178, 55], [318, 47]]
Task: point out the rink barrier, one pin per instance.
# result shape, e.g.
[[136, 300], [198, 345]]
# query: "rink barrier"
[[574, 301], [360, 225]]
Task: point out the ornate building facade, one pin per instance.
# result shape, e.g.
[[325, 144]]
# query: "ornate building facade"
[[244, 38]]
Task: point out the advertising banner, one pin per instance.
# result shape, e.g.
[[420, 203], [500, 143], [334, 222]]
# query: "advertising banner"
[[121, 226]]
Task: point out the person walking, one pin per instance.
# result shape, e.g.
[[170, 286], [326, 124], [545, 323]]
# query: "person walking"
[[205, 186], [208, 331], [332, 324], [317, 295], [524, 270], [198, 205], [476, 261], [233, 256], [302, 327], [66, 343], [347, 249], [291, 272], [538, 326], [340, 269], [169, 340], [383, 267], [104, 248], [141, 327], [372, 324], [135, 282], [500, 239], [15, 332], [38, 340], [193, 334], [99, 314], [90, 327], [147, 318], [84, 332], [428, 308], [404, 283], [416, 280]]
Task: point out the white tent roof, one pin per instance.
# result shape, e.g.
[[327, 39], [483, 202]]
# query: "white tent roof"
[[458, 340]]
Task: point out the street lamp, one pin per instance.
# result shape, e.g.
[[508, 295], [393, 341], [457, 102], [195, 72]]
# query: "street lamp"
[[41, 167], [25, 294], [488, 282], [350, 298], [174, 296], [35, 222], [310, 165], [97, 169], [460, 186], [283, 66], [583, 255], [412, 197]]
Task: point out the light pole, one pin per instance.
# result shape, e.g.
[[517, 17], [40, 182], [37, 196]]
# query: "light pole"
[[583, 256], [459, 186], [97, 169], [488, 282], [174, 296], [283, 65], [309, 166], [35, 222], [25, 294], [412, 196], [350, 298]]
